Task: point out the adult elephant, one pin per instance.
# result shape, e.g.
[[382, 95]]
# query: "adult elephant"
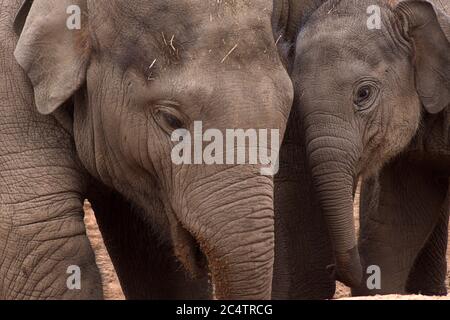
[[373, 92], [112, 91]]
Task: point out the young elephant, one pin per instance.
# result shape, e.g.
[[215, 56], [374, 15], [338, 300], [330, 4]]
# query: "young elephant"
[[119, 86], [373, 102], [302, 246]]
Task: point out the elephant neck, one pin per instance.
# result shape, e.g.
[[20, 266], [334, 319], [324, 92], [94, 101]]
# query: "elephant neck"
[[299, 12], [288, 17], [432, 141]]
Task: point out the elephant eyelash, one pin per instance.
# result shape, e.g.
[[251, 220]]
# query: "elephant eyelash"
[[168, 118]]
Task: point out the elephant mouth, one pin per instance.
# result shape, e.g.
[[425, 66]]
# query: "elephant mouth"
[[187, 249]]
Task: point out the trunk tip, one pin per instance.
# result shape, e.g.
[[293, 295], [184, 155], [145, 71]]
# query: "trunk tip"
[[347, 269]]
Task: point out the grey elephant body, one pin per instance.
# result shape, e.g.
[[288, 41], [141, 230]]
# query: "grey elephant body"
[[110, 89], [373, 103], [302, 246]]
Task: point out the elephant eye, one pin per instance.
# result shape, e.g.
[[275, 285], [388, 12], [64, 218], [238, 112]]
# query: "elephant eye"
[[365, 96], [363, 93], [168, 119]]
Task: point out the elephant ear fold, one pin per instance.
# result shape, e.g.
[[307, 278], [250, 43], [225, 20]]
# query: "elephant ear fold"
[[21, 16], [53, 49], [421, 27]]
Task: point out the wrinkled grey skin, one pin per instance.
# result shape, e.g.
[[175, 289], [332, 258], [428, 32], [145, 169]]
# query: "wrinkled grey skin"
[[115, 125], [400, 120], [41, 218], [302, 246]]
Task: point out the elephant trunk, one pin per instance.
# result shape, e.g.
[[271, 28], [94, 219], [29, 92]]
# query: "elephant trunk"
[[332, 160], [231, 218]]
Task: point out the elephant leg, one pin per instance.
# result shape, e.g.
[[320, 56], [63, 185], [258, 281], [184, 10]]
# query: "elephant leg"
[[44, 251], [302, 247], [430, 269], [399, 213], [145, 264]]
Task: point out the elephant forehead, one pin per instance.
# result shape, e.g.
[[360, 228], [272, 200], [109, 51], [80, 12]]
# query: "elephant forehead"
[[182, 13], [178, 30], [219, 46], [336, 41], [148, 8]]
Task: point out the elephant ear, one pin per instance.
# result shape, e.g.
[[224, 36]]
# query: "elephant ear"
[[52, 49], [21, 16], [421, 27]]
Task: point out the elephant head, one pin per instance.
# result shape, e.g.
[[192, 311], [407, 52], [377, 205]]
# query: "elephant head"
[[138, 71], [362, 89]]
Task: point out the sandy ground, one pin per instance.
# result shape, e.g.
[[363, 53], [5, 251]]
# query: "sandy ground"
[[113, 291]]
